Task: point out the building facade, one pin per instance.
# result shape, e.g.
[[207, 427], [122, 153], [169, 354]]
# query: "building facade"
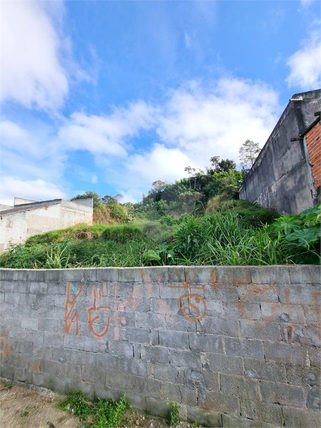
[[28, 218]]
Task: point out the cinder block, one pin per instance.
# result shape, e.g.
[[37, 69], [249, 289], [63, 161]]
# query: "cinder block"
[[187, 358], [276, 392], [301, 417], [137, 335], [235, 276], [300, 294], [29, 323], [240, 387], [21, 287], [243, 348], [76, 276], [218, 402], [270, 275], [206, 343], [199, 275], [224, 364], [149, 387], [165, 373], [314, 400], [48, 324], [149, 320], [259, 330], [156, 275], [262, 369], [131, 275], [307, 377], [284, 353], [37, 275], [206, 418], [218, 325], [7, 286], [121, 349], [176, 275], [157, 407], [234, 422], [188, 396], [282, 313], [38, 287], [135, 367], [305, 274], [262, 411], [12, 298], [6, 275], [105, 275], [244, 309], [172, 339], [155, 354], [52, 275]]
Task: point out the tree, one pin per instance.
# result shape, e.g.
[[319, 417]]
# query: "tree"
[[90, 194], [224, 165], [248, 153], [190, 171], [159, 185]]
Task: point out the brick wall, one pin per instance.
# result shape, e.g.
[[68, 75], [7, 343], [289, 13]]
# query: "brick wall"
[[233, 346], [313, 142]]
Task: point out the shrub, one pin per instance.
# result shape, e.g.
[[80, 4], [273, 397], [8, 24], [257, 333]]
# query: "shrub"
[[122, 233]]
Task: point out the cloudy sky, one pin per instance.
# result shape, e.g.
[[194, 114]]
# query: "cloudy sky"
[[113, 95]]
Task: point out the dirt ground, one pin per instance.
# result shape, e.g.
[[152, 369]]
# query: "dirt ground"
[[22, 407]]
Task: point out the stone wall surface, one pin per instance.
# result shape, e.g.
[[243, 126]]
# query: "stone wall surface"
[[233, 346]]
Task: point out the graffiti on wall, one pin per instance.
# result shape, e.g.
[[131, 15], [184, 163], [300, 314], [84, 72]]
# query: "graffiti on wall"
[[105, 310]]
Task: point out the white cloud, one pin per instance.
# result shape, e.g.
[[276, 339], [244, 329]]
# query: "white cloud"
[[196, 121], [161, 163], [29, 189], [35, 59], [305, 64], [199, 121], [106, 134], [204, 121]]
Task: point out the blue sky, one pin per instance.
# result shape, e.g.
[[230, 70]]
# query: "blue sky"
[[113, 95]]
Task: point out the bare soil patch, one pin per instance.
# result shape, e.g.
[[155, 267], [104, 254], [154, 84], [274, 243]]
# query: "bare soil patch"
[[33, 407]]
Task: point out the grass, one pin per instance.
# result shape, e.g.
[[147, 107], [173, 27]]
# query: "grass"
[[100, 413], [231, 237]]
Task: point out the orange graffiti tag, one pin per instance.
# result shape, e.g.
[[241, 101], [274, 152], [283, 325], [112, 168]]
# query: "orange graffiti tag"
[[188, 284], [193, 311], [69, 306], [94, 307], [318, 309]]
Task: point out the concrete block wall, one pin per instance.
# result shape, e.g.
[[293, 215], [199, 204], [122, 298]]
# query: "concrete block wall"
[[233, 346], [281, 176]]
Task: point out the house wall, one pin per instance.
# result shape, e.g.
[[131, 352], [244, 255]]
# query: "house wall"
[[313, 142], [281, 176], [17, 225], [233, 346]]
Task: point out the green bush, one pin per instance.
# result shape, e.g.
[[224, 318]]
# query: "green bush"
[[121, 233]]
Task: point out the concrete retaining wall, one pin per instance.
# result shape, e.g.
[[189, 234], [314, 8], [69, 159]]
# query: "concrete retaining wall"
[[281, 177], [234, 346]]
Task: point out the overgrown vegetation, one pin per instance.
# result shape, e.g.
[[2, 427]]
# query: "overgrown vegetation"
[[99, 413], [198, 220], [174, 419]]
